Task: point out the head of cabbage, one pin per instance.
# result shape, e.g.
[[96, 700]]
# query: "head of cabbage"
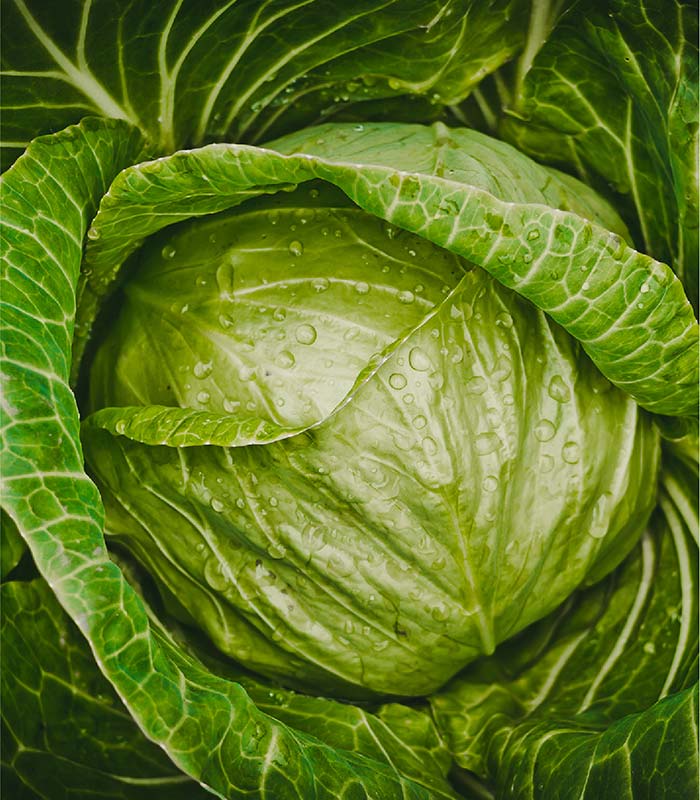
[[388, 462]]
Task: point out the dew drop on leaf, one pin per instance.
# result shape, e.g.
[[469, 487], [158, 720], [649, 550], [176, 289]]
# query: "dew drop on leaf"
[[476, 385], [397, 381], [571, 453], [419, 360], [490, 483], [486, 443], [544, 430], [558, 390], [305, 334], [214, 574], [285, 359], [430, 446], [276, 550], [202, 369]]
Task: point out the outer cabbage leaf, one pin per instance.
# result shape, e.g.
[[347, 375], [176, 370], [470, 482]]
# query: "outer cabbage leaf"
[[65, 732], [600, 699], [189, 72], [613, 95]]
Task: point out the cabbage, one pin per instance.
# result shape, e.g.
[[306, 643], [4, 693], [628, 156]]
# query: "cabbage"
[[350, 390]]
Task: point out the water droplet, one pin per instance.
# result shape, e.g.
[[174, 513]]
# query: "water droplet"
[[93, 234], [504, 319], [285, 359], [644, 288], [313, 193], [276, 550], [296, 248], [406, 297], [203, 397], [439, 613], [503, 371], [246, 373], [558, 390], [476, 385], [490, 483], [279, 314], [419, 360], [430, 446], [408, 399], [202, 369], [240, 503], [397, 380], [305, 334], [214, 574], [546, 463], [544, 430], [419, 422], [650, 648], [217, 505], [361, 287], [225, 276], [532, 235], [168, 251], [320, 284], [486, 443], [120, 426], [231, 405], [571, 453]]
